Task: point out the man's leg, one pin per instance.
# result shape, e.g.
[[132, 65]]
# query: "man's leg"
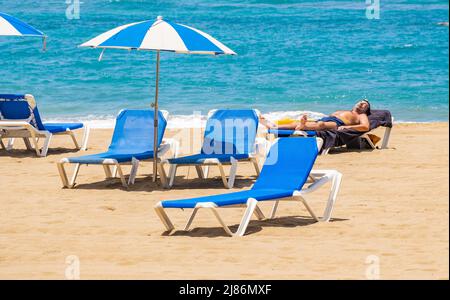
[[271, 125], [317, 126]]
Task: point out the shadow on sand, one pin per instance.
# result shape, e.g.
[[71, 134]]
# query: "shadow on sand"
[[253, 227]]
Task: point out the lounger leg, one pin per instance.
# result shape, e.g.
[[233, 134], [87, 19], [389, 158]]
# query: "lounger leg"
[[274, 209], [74, 176], [63, 174], [27, 143], [233, 170], [335, 186], [133, 172], [251, 205], [191, 218], [225, 227], [311, 212], [162, 175], [35, 141], [222, 174], [369, 141], [10, 144], [325, 151], [122, 177], [336, 179], [114, 172], [172, 173], [200, 173], [45, 146], [255, 164], [87, 131], [387, 135], [107, 170], [74, 139], [206, 172], [163, 217], [258, 213]]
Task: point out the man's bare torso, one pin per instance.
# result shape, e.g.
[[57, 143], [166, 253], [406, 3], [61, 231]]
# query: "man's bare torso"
[[347, 116]]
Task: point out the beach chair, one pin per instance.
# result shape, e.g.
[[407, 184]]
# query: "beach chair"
[[374, 121], [287, 169], [20, 118], [132, 141], [230, 137]]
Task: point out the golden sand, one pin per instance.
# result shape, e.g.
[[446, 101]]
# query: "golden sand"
[[391, 213]]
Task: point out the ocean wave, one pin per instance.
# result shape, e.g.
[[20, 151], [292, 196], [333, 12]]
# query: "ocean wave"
[[181, 121], [199, 121]]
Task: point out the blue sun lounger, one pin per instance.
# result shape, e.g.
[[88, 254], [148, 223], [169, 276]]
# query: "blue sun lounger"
[[230, 137], [132, 142], [20, 118], [288, 167]]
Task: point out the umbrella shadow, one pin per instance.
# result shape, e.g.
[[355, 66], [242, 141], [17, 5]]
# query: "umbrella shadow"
[[181, 183], [145, 184], [253, 227]]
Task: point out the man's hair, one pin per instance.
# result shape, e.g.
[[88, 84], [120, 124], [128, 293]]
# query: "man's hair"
[[368, 106]]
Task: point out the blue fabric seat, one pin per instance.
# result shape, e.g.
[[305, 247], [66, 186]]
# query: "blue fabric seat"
[[22, 108], [132, 141], [230, 136], [119, 157], [288, 132], [283, 176], [62, 127], [132, 137], [200, 158], [230, 199]]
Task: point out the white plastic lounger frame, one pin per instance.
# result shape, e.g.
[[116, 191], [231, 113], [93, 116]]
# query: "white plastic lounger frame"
[[23, 129], [203, 169], [385, 142], [317, 179], [26, 131], [166, 145], [1, 143]]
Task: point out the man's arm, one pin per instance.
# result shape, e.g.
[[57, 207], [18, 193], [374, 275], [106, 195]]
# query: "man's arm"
[[364, 124]]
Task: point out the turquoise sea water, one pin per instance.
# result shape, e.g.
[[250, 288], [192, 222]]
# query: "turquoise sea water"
[[292, 55]]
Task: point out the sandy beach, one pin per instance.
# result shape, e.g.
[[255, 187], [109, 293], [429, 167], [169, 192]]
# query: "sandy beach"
[[392, 210]]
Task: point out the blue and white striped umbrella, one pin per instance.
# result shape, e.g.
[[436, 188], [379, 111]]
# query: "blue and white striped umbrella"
[[158, 36], [161, 35], [10, 26]]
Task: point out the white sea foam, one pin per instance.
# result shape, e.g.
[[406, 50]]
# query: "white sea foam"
[[181, 121], [196, 121]]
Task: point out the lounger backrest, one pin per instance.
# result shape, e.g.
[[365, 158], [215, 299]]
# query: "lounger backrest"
[[134, 131], [230, 131], [20, 107], [288, 164]]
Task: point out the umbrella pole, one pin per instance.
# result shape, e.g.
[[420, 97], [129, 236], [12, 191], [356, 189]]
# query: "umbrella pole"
[[155, 122]]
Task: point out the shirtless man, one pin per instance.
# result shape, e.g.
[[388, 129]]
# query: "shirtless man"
[[355, 119]]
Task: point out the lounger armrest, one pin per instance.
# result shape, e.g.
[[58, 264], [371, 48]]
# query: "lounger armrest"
[[21, 125], [300, 133], [7, 124], [169, 144], [320, 178]]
